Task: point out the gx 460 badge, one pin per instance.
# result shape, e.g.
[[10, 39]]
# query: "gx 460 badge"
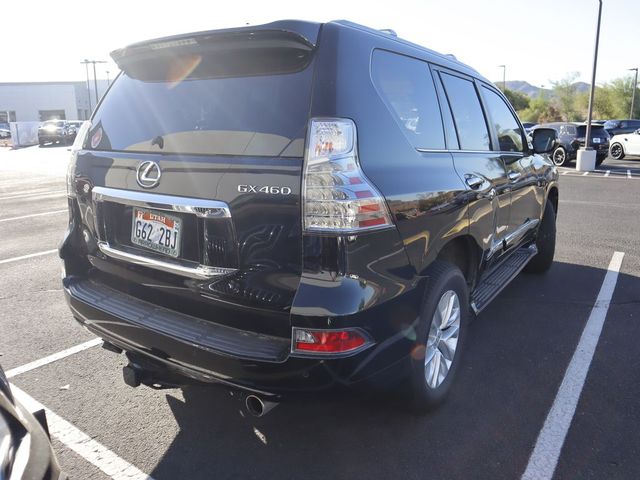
[[271, 190]]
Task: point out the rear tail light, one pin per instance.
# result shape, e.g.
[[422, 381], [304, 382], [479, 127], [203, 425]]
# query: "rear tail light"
[[337, 197], [329, 342]]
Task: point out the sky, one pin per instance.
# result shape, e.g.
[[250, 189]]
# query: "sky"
[[538, 40]]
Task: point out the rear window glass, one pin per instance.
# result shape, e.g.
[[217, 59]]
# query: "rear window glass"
[[406, 87], [596, 130], [257, 113]]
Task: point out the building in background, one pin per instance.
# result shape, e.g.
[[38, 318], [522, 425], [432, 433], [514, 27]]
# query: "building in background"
[[40, 101]]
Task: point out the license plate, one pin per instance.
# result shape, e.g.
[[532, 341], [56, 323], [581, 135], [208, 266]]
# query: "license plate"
[[156, 231], [596, 140]]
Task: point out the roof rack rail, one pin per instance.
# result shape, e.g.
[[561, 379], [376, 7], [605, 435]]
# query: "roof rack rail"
[[389, 31]]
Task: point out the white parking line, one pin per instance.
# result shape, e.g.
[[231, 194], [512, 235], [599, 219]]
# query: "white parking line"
[[32, 215], [52, 358], [585, 174], [565, 172], [81, 443], [24, 257], [628, 173], [607, 173], [544, 458], [51, 193]]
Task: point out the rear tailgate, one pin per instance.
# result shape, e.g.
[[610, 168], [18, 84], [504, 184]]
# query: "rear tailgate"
[[202, 138]]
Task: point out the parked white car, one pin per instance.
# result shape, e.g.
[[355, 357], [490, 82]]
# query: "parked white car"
[[625, 144]]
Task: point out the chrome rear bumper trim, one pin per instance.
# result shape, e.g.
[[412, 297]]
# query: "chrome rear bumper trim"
[[200, 272]]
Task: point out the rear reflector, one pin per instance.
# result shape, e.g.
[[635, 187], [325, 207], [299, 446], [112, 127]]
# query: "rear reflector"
[[327, 342]]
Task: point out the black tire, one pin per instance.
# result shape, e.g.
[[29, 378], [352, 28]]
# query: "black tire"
[[443, 278], [616, 151], [600, 159], [41, 143], [545, 241], [559, 157]]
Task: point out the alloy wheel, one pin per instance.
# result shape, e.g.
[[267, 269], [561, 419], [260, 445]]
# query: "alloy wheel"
[[559, 156], [443, 339]]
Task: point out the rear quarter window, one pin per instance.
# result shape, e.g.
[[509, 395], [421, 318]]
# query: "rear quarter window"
[[406, 87]]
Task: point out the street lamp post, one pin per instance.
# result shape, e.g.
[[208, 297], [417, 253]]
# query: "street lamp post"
[[504, 77], [586, 160], [86, 67], [633, 95]]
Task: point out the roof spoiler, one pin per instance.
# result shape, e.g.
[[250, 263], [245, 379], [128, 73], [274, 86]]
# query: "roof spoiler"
[[285, 34]]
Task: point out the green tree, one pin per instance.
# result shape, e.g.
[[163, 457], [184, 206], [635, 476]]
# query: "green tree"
[[540, 110], [519, 100], [565, 94]]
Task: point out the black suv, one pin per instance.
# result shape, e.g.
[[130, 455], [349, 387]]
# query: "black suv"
[[616, 127], [296, 206], [55, 131], [571, 139]]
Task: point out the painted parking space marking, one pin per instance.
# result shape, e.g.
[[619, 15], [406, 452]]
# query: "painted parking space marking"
[[25, 257], [607, 173], [92, 451], [53, 358], [32, 215], [628, 173], [48, 194], [545, 455], [585, 174]]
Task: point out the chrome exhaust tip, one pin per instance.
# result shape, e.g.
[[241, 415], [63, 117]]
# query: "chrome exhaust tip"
[[257, 406]]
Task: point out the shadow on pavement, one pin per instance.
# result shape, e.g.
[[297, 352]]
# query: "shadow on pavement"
[[515, 359]]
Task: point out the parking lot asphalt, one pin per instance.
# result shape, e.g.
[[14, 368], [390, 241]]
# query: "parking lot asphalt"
[[517, 352]]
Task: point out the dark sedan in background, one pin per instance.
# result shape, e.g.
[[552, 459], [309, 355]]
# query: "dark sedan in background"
[[616, 127]]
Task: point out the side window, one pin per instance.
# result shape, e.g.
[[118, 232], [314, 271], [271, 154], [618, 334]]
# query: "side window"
[[504, 123], [570, 130], [447, 118], [467, 113], [406, 87]]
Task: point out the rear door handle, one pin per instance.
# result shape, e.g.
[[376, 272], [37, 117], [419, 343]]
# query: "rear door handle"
[[513, 176], [474, 182]]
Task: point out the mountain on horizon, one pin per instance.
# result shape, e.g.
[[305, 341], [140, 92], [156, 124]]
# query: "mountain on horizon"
[[533, 91]]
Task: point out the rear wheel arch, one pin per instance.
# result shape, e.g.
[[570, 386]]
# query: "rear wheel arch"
[[464, 253]]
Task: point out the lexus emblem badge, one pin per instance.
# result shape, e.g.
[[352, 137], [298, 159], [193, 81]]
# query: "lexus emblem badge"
[[148, 174]]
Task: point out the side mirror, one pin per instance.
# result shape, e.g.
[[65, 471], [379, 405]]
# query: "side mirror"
[[543, 140]]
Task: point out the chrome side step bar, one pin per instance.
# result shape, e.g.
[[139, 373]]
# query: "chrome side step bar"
[[199, 272]]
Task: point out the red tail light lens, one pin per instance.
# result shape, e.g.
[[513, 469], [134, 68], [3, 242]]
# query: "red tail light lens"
[[306, 341], [337, 196]]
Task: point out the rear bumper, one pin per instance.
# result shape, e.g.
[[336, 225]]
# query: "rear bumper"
[[204, 352]]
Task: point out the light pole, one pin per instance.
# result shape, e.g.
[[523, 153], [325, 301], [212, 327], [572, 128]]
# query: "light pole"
[[95, 78], [504, 77], [633, 95], [586, 156], [86, 67]]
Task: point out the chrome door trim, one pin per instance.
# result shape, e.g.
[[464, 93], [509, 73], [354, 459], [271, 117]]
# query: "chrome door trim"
[[518, 233], [197, 206], [199, 272]]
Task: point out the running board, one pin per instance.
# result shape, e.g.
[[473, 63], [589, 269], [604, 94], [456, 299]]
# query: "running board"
[[500, 277]]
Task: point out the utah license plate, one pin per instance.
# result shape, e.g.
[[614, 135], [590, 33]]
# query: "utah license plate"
[[596, 140], [156, 231]]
